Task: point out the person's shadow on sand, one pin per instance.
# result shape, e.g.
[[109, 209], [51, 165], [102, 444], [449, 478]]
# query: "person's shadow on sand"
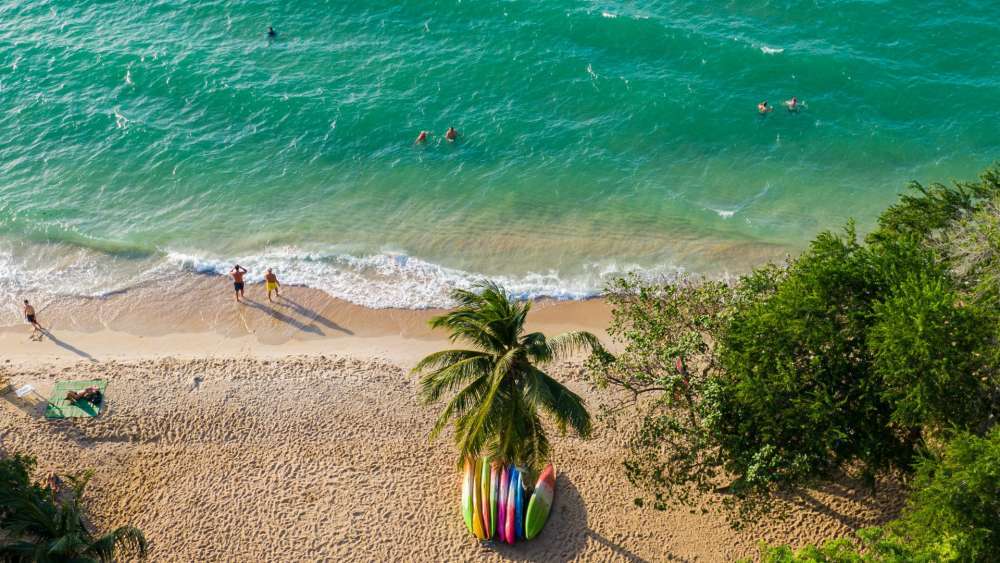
[[278, 315], [310, 314], [66, 345], [565, 534]]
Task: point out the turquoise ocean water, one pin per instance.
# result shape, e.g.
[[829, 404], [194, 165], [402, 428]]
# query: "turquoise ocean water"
[[142, 139]]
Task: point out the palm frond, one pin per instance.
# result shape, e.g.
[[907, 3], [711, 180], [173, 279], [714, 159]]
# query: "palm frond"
[[479, 425], [534, 447], [571, 342], [537, 347], [499, 392], [563, 405], [22, 551], [470, 395], [472, 327], [444, 358], [505, 364], [124, 542], [436, 383], [29, 514], [67, 545]]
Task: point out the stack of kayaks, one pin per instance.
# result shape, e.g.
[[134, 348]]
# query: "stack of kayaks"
[[497, 504]]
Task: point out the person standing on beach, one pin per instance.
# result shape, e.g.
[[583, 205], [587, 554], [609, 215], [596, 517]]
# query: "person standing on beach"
[[237, 274], [32, 318], [271, 283]]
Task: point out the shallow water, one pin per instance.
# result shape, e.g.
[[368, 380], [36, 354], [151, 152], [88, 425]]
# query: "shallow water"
[[597, 137]]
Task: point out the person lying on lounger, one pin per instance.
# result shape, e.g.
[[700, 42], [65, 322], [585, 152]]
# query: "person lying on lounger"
[[92, 394]]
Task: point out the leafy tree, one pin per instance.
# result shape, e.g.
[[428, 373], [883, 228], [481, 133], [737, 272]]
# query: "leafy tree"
[[931, 353], [498, 388], [799, 400], [952, 514], [46, 529], [973, 249], [847, 359], [15, 475], [668, 367], [918, 215], [873, 546]]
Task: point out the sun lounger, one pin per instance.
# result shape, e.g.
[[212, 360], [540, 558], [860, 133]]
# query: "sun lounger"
[[59, 407]]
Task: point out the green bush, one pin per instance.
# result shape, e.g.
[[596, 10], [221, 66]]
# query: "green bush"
[[42, 526], [931, 353], [953, 514], [858, 356]]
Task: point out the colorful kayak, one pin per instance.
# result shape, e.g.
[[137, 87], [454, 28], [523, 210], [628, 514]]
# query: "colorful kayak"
[[540, 504], [495, 469], [477, 495], [468, 483], [520, 492], [502, 503], [510, 526], [484, 491]]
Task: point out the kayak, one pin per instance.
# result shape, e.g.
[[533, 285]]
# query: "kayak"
[[540, 504]]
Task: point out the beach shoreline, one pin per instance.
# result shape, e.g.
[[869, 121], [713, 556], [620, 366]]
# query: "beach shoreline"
[[194, 316]]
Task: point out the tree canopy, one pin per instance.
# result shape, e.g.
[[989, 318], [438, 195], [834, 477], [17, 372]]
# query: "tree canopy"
[[496, 386], [43, 526], [858, 356], [952, 514]]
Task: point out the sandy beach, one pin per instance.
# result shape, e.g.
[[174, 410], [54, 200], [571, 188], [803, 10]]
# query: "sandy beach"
[[292, 432]]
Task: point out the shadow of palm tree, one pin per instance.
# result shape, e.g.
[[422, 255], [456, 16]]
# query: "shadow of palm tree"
[[566, 534], [311, 314], [66, 345]]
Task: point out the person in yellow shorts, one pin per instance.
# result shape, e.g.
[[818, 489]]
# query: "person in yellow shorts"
[[271, 283]]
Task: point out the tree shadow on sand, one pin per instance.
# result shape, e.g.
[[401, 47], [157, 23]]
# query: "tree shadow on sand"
[[566, 534], [859, 507], [315, 316]]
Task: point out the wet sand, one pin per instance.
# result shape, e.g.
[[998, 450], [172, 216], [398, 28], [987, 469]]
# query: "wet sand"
[[196, 316]]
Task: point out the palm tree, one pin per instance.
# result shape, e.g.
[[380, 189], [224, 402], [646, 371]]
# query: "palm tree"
[[498, 389], [50, 527]]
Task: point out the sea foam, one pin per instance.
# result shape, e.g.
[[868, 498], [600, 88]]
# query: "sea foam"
[[397, 280]]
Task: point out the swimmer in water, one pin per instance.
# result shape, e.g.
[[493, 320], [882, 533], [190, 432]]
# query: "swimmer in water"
[[451, 135], [793, 104], [421, 138], [763, 108], [271, 33]]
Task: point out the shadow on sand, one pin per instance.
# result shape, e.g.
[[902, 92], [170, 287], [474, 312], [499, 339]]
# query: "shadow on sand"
[[311, 314], [66, 345], [279, 316], [566, 534], [879, 508]]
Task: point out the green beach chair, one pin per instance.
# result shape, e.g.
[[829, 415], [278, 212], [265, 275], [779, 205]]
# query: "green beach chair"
[[59, 407]]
